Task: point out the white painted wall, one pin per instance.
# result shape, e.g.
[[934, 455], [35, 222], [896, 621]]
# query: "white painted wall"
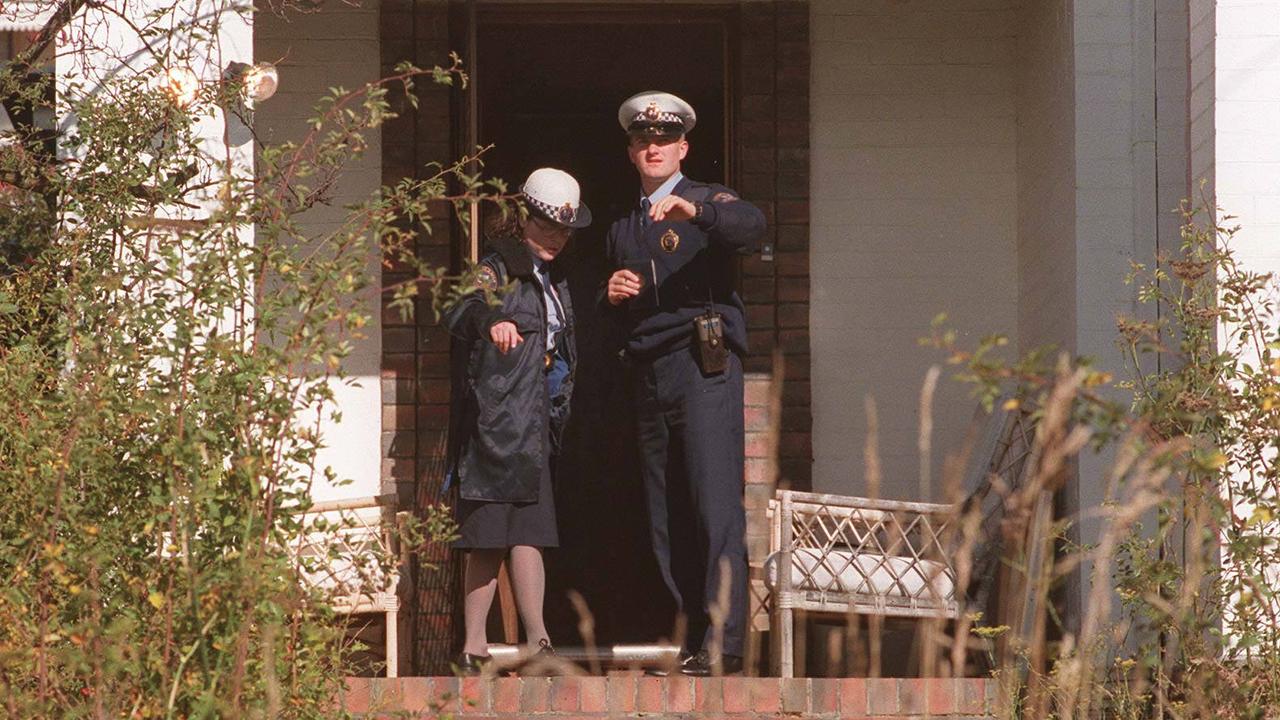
[[1046, 177], [914, 213], [337, 46]]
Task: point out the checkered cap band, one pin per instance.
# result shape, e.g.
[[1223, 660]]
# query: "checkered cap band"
[[662, 118], [564, 214]]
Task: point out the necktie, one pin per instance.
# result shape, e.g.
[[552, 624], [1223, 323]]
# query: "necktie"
[[555, 312], [644, 212]]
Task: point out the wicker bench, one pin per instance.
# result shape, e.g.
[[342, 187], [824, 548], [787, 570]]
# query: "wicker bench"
[[855, 555], [848, 554]]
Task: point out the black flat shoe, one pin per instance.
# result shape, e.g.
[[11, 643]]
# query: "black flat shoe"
[[542, 663], [700, 665], [470, 665]]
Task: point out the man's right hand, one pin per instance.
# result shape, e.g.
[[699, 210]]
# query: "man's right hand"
[[623, 285], [505, 336]]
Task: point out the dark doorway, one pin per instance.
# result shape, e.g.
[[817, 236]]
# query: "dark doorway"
[[549, 82]]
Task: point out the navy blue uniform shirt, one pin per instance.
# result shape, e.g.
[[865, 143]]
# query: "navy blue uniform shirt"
[[694, 264]]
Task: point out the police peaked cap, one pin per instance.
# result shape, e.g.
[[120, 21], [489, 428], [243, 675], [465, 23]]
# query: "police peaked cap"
[[656, 112]]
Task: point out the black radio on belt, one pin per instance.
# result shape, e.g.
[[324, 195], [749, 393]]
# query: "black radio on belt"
[[713, 354]]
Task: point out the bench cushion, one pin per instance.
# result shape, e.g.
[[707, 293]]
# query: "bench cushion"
[[864, 573]]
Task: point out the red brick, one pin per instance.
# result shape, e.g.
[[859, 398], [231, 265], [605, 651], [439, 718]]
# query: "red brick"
[[793, 289], [755, 418], [882, 696], [794, 341], [535, 695], [398, 417], [853, 697], [398, 364], [795, 445], [759, 361], [356, 695], [758, 471], [824, 696], [399, 339], [708, 695], [397, 391], [434, 416], [564, 694], [679, 694], [736, 698], [506, 695], [797, 419], [793, 133], [793, 212], [757, 445], [398, 444], [795, 695], [622, 694], [444, 693], [649, 694], [474, 694], [941, 695], [793, 263], [757, 160], [433, 365], [756, 392], [971, 695], [593, 693], [435, 391], [793, 315], [766, 694], [760, 316], [911, 696], [755, 266], [758, 289]]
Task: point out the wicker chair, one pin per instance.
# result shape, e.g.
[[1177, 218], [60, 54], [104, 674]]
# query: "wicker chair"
[[338, 555]]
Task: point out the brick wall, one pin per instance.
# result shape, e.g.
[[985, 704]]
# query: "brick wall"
[[633, 696], [771, 168], [415, 359], [770, 165], [914, 213]]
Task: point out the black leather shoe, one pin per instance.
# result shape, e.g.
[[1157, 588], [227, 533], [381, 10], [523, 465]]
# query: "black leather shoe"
[[700, 665], [468, 665], [664, 671]]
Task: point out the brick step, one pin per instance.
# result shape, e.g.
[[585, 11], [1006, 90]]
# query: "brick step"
[[636, 696]]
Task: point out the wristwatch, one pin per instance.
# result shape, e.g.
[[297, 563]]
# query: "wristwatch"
[[697, 210]]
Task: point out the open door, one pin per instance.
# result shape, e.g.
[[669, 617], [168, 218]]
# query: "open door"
[[548, 82]]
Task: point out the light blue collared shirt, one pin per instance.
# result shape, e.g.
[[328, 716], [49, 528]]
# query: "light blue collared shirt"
[[555, 312], [665, 188]]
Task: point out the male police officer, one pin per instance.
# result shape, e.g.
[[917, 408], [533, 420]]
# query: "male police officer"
[[674, 289]]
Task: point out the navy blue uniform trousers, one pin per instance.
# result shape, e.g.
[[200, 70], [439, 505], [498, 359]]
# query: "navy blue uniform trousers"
[[691, 450]]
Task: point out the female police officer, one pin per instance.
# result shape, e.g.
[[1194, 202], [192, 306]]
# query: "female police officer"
[[512, 377]]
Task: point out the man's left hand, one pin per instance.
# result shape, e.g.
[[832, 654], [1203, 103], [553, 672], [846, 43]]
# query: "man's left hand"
[[673, 208]]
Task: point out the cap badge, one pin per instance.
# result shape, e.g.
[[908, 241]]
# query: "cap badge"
[[651, 113], [669, 241], [565, 213]]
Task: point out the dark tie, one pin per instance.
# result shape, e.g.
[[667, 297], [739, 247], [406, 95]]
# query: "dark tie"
[[645, 221]]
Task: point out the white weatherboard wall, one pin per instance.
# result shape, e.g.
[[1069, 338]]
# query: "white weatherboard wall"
[[337, 46], [1046, 178], [914, 213]]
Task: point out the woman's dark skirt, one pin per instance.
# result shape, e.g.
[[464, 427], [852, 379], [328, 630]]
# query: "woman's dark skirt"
[[483, 525]]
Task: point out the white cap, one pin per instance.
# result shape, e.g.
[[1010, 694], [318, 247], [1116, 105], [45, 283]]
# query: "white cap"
[[555, 195]]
